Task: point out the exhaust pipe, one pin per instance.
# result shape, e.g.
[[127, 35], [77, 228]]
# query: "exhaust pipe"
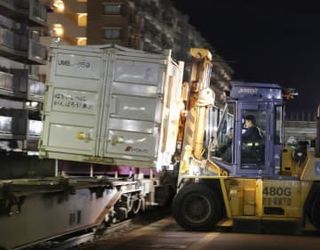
[[317, 149]]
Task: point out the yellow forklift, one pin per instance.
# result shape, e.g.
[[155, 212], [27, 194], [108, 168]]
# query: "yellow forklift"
[[234, 167]]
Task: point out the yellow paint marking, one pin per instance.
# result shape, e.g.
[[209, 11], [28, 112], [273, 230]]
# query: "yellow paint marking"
[[204, 241]]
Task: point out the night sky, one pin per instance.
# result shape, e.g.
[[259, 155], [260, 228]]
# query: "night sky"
[[265, 41]]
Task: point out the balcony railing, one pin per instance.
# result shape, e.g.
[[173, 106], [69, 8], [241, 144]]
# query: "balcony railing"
[[13, 124], [7, 22], [20, 47], [37, 12], [14, 83], [6, 4], [6, 82], [5, 125], [6, 38], [34, 11], [37, 52], [36, 90], [34, 129]]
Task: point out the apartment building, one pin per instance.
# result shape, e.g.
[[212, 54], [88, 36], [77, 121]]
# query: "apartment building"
[[151, 25], [67, 22], [21, 91], [142, 24]]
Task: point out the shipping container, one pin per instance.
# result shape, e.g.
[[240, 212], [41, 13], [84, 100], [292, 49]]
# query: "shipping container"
[[111, 105]]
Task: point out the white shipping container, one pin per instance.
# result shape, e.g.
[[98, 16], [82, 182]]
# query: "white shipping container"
[[111, 105]]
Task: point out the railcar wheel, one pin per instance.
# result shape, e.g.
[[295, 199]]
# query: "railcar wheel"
[[197, 207]]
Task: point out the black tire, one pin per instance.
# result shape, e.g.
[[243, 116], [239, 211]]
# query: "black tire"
[[196, 207], [314, 211], [164, 195]]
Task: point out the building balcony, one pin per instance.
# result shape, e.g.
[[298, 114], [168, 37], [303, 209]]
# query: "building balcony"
[[32, 10], [13, 124], [34, 132], [7, 22], [6, 83], [20, 48], [152, 43], [152, 37], [19, 124], [168, 36], [7, 45], [37, 13], [36, 91], [152, 23], [6, 4], [17, 84], [37, 52], [13, 84], [151, 7]]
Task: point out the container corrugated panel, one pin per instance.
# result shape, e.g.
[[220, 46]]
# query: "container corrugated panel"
[[112, 105]]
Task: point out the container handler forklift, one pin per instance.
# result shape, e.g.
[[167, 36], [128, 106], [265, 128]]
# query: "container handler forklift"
[[223, 177]]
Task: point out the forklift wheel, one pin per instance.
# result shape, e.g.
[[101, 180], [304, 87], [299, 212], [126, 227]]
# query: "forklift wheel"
[[197, 207], [314, 212]]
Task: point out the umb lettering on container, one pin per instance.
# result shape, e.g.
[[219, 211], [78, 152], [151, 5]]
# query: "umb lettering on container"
[[77, 65], [64, 63]]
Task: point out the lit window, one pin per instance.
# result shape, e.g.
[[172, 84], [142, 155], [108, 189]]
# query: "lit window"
[[111, 8], [112, 33], [58, 5], [81, 41], [82, 19], [57, 30]]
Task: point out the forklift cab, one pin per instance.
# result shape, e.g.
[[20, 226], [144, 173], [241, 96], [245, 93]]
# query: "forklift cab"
[[250, 130]]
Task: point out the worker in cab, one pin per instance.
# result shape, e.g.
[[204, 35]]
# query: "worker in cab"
[[252, 141], [252, 133]]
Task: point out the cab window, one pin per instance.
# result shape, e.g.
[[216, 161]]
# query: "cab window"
[[225, 134], [278, 125]]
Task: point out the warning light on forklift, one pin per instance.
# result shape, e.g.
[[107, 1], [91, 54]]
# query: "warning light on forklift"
[[289, 93]]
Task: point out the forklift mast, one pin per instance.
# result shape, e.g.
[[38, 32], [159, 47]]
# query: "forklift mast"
[[198, 97]]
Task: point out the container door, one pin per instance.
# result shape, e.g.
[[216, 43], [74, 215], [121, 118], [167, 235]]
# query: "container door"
[[132, 119], [74, 97]]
